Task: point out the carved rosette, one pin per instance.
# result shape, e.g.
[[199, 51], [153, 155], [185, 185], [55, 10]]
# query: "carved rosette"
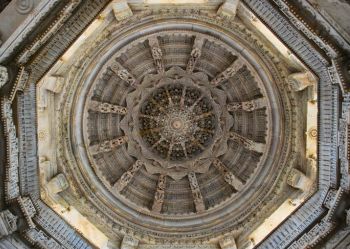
[[177, 125]]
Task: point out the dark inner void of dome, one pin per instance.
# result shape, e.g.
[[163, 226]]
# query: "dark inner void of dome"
[[177, 122]]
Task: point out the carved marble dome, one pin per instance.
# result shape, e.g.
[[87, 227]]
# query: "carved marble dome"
[[178, 125], [149, 124]]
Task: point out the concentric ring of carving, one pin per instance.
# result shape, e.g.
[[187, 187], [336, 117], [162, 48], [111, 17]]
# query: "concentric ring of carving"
[[172, 190], [177, 122]]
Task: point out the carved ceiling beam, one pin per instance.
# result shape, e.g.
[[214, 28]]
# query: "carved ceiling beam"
[[248, 106], [229, 177], [195, 54], [229, 72], [104, 107], [196, 193], [108, 145], [247, 143], [122, 73], [125, 179], [157, 54], [159, 195]]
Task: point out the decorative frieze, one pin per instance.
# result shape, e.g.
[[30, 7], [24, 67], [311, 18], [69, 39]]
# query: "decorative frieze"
[[27, 142], [196, 193], [41, 239], [21, 82], [127, 176], [11, 176], [3, 75], [300, 25], [8, 223], [29, 210]]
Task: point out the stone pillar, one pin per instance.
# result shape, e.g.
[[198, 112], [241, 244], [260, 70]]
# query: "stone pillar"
[[228, 9], [8, 223], [57, 184]]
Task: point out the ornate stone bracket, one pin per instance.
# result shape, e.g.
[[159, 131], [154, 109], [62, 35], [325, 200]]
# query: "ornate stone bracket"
[[123, 73], [229, 177], [247, 143], [109, 145], [248, 106], [228, 243], [107, 108], [195, 54], [229, 9], [196, 192], [121, 10], [159, 194], [127, 176], [299, 180], [129, 243], [229, 72], [157, 54], [299, 81]]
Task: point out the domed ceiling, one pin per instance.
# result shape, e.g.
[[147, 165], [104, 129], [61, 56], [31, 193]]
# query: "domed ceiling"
[[195, 127], [178, 129]]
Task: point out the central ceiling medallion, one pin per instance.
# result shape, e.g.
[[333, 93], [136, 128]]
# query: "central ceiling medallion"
[[178, 124]]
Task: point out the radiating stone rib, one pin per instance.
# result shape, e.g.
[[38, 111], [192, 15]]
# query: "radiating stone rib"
[[229, 177], [108, 145], [125, 179], [159, 194], [229, 72], [157, 54], [247, 143], [196, 193], [195, 54], [122, 73], [248, 106], [104, 107]]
